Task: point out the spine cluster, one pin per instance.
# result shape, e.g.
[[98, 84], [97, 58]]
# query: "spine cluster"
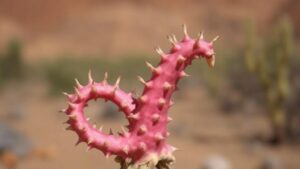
[[143, 140]]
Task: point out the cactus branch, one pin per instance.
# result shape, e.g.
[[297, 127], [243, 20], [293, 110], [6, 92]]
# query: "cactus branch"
[[144, 144]]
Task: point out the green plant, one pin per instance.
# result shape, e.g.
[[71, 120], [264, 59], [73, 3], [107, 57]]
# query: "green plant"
[[59, 73], [11, 64], [271, 66]]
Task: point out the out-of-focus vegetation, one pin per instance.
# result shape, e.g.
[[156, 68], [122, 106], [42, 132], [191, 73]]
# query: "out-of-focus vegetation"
[[11, 64], [264, 73], [292, 106], [60, 73], [271, 66]]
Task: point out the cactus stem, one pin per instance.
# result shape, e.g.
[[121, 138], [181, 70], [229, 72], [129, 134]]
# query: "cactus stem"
[[143, 143]]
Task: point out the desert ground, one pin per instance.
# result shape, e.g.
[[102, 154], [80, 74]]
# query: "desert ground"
[[200, 130]]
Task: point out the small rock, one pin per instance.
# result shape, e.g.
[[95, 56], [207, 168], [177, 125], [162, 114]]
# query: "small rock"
[[216, 162], [271, 163], [14, 142], [16, 112], [110, 111]]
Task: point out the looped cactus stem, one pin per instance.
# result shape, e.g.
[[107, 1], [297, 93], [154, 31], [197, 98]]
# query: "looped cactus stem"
[[144, 144]]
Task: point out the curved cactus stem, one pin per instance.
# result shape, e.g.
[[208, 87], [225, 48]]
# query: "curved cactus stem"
[[144, 145], [79, 123]]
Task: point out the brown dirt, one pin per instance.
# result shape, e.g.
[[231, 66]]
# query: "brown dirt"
[[199, 130], [89, 28]]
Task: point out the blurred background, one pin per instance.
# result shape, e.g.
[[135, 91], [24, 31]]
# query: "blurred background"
[[244, 113]]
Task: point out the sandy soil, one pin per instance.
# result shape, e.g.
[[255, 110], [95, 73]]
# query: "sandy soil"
[[200, 130], [87, 28]]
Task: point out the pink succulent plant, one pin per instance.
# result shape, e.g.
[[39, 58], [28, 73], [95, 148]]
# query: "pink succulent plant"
[[143, 144]]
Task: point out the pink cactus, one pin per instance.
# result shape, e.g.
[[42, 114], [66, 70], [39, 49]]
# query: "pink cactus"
[[143, 145]]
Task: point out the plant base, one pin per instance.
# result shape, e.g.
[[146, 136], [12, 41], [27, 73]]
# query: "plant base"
[[163, 162]]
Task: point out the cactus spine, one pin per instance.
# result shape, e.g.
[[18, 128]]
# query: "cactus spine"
[[272, 68], [143, 144]]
